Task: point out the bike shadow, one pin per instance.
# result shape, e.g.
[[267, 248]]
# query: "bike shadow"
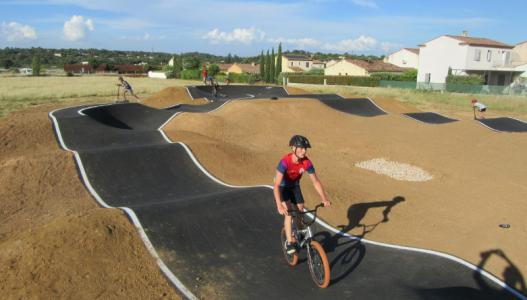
[[345, 253]]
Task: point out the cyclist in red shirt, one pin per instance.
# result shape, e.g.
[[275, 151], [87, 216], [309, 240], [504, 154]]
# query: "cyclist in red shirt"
[[287, 193]]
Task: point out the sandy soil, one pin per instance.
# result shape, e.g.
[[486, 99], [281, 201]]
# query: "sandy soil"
[[55, 242], [172, 96], [479, 175]]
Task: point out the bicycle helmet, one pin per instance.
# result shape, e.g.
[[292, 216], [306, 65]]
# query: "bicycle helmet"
[[299, 141]]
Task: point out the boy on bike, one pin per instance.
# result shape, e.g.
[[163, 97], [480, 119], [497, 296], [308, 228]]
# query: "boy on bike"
[[287, 193]]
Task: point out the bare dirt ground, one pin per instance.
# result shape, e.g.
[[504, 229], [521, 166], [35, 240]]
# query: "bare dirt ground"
[[55, 242], [172, 96], [479, 175]]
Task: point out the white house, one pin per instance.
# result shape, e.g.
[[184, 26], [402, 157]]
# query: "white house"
[[356, 67], [26, 71], [296, 63], [465, 55], [519, 58], [404, 58]]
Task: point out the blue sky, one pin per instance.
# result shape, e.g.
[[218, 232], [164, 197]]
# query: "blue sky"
[[245, 27]]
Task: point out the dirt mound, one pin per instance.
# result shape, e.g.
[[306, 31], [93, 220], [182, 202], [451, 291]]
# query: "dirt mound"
[[172, 96], [463, 204], [54, 240], [294, 90]]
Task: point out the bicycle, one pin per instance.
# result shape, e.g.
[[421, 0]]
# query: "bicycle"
[[316, 256]]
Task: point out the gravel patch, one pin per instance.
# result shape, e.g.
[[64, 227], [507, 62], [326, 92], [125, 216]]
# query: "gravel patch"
[[395, 170]]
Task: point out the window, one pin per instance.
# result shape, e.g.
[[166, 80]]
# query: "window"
[[427, 77], [489, 55], [307, 64], [477, 55], [291, 64]]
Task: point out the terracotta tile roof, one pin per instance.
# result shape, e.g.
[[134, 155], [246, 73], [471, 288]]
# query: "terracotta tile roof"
[[298, 57], [475, 41], [414, 50], [376, 65], [224, 67]]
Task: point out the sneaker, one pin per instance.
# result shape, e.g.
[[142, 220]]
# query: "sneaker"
[[290, 248]]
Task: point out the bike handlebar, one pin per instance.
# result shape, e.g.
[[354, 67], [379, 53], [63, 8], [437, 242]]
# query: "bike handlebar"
[[295, 213]]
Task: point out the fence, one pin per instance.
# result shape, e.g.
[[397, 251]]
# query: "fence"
[[517, 89]]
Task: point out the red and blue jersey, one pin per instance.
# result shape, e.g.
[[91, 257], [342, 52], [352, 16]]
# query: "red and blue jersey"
[[293, 171]]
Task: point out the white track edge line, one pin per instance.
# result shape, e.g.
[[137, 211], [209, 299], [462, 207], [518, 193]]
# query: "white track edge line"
[[166, 271], [412, 249], [377, 105]]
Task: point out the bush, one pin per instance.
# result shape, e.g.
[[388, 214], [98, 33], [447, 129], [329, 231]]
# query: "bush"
[[191, 74], [243, 78], [465, 79], [409, 75], [309, 79]]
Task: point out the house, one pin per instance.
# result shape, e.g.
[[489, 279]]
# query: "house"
[[26, 71], [224, 67], [102, 68], [331, 62], [355, 67], [317, 64], [130, 69], [519, 58], [78, 68], [465, 55], [404, 58], [244, 68], [296, 63]]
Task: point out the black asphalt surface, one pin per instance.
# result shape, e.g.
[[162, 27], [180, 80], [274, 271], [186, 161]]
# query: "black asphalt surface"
[[430, 118], [505, 124], [228, 239]]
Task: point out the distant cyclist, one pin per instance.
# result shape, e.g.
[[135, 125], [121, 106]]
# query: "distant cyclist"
[[287, 193], [126, 87], [480, 107]]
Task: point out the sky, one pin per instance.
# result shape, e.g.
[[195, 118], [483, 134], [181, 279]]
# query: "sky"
[[246, 27]]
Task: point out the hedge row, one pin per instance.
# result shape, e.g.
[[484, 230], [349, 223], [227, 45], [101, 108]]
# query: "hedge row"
[[243, 78], [463, 79], [191, 74], [335, 80]]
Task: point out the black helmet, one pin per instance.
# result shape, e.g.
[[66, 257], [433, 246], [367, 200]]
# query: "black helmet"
[[299, 141]]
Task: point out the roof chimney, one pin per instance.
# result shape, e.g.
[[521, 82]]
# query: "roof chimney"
[[465, 33]]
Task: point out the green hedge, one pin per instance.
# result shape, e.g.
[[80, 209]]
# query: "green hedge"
[[191, 74], [409, 75], [335, 80], [243, 78], [464, 79]]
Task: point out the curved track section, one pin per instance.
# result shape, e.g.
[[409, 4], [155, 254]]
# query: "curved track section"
[[504, 124], [226, 239]]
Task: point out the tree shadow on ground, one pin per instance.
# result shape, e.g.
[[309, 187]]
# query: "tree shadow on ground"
[[358, 211], [486, 290]]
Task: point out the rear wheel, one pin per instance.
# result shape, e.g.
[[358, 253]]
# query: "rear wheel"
[[292, 259], [318, 264]]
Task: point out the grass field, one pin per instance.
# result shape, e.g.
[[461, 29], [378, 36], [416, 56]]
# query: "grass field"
[[427, 100], [20, 92]]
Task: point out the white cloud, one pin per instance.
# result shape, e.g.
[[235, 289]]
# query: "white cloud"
[[16, 32], [362, 43], [302, 42], [75, 28], [365, 3], [243, 35]]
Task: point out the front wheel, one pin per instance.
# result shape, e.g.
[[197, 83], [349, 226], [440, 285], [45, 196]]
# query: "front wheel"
[[318, 264], [292, 259]]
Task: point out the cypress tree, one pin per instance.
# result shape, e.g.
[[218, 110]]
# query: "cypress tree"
[[35, 65], [262, 66], [279, 61], [271, 69], [267, 67]]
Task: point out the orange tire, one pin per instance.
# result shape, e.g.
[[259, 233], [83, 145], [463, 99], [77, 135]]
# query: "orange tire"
[[319, 265]]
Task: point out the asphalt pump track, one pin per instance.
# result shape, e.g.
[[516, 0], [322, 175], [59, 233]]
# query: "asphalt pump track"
[[212, 235], [430, 118]]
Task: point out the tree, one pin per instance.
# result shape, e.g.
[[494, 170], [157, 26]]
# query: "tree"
[[271, 68], [267, 67], [7, 63], [35, 65], [262, 66], [229, 59], [278, 61], [212, 70], [192, 63]]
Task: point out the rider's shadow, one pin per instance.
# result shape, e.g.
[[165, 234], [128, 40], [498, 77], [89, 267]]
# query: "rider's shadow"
[[358, 211], [344, 253]]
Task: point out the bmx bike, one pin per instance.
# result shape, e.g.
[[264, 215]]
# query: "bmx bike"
[[317, 259]]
